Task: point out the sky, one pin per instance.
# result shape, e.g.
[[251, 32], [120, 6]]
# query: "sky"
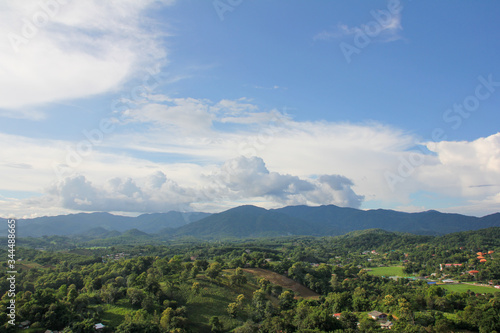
[[133, 107]]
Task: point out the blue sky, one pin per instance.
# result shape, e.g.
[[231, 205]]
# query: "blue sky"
[[149, 106]]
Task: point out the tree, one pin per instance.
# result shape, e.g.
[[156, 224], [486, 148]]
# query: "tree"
[[360, 301], [72, 294], [286, 300], [195, 288], [236, 308], [215, 324], [389, 302], [173, 319], [349, 320], [194, 271], [84, 326], [109, 293], [368, 325], [238, 278], [232, 309], [136, 296], [214, 270], [259, 303]]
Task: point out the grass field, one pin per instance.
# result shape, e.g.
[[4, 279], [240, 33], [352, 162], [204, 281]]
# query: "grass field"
[[388, 271], [114, 315], [459, 288]]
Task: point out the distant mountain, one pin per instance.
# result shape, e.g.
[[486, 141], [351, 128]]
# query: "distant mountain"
[[329, 220], [152, 223], [73, 224], [251, 221], [333, 220], [97, 233], [245, 221]]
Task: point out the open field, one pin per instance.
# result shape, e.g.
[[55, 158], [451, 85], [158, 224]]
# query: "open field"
[[28, 265], [388, 271], [459, 288], [283, 281], [114, 315]]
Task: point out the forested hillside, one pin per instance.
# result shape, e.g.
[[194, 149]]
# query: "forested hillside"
[[193, 286]]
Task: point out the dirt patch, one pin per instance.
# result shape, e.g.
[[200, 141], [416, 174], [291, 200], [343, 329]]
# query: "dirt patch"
[[283, 281]]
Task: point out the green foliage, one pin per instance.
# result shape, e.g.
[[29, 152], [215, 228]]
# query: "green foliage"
[[213, 270], [215, 325], [161, 289]]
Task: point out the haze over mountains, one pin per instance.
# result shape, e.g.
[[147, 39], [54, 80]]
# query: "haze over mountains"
[[252, 221]]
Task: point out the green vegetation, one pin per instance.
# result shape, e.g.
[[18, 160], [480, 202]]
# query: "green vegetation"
[[463, 288], [388, 271], [240, 222], [288, 284]]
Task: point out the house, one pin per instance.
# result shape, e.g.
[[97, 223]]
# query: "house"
[[98, 327], [386, 325], [377, 315], [337, 315], [25, 324], [448, 281]]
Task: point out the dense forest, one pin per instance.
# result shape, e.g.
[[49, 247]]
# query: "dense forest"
[[129, 285]]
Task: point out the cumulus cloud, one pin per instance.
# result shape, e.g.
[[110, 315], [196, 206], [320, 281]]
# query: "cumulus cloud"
[[241, 179], [157, 180], [248, 177], [305, 163], [464, 168], [110, 41], [119, 195]]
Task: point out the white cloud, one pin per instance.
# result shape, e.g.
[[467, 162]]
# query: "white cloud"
[[241, 179], [305, 163], [384, 27], [469, 169], [195, 117], [109, 41], [185, 115]]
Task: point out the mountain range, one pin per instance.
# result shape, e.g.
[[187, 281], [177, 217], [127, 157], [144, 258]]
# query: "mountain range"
[[251, 221]]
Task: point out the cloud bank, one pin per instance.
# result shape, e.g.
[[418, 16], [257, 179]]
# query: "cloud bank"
[[271, 161], [56, 50]]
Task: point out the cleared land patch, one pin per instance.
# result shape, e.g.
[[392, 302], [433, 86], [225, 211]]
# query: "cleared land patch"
[[462, 287], [283, 281], [387, 271]]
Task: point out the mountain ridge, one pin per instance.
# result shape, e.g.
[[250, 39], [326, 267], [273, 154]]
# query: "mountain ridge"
[[252, 221]]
